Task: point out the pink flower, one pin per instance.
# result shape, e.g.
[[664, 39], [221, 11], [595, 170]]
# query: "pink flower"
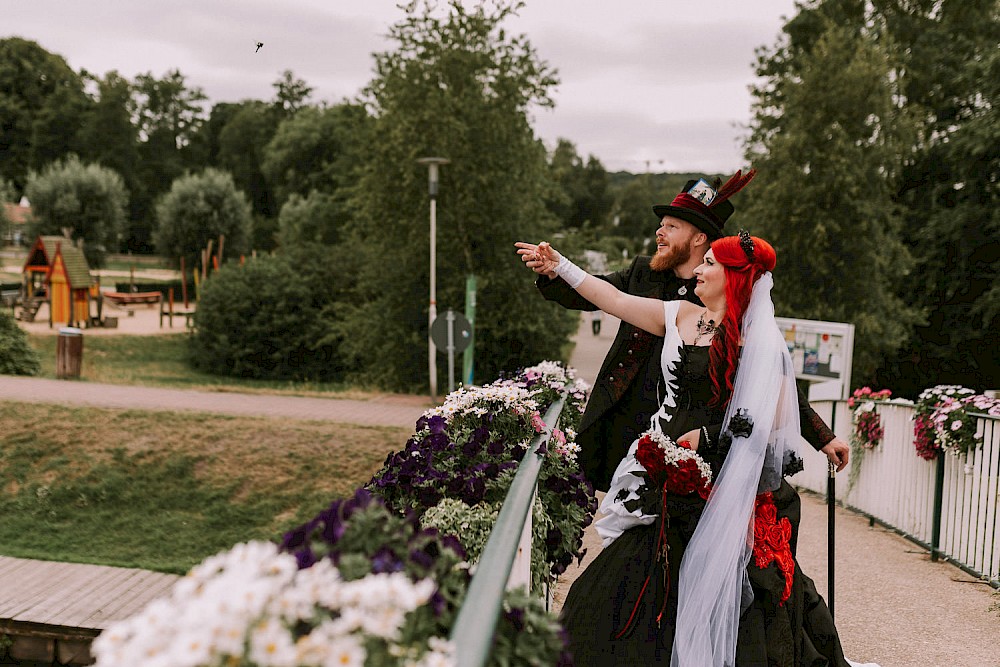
[[536, 422], [955, 425]]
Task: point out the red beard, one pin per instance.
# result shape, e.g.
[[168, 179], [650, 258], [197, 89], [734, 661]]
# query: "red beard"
[[671, 258]]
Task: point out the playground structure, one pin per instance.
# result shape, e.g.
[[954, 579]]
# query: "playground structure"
[[56, 272]]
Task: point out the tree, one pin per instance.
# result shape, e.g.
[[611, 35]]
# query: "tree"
[[87, 202], [107, 135], [318, 149], [457, 86], [949, 189], [828, 139], [41, 104], [955, 234], [272, 317], [316, 219], [585, 185], [199, 208], [241, 147], [7, 195], [290, 94], [167, 115]]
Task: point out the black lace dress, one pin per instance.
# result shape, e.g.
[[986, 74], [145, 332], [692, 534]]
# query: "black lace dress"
[[623, 607]]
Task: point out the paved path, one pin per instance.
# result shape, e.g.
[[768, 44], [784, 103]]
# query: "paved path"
[[382, 410], [892, 605]]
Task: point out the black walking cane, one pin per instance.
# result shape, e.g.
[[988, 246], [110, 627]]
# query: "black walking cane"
[[831, 500]]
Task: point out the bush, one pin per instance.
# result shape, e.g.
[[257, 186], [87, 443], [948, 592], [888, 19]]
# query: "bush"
[[272, 318], [200, 208], [17, 357]]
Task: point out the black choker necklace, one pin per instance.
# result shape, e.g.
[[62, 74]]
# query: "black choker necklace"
[[705, 328]]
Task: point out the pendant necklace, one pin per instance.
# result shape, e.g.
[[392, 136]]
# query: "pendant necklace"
[[704, 328], [682, 290]]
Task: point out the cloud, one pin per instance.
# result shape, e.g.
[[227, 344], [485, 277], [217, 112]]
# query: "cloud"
[[639, 142]]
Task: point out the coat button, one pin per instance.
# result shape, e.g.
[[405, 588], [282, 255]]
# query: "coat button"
[[635, 335], [630, 351], [611, 379], [621, 365]]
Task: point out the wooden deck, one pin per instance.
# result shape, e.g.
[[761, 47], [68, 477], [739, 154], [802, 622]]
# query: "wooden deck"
[[52, 611]]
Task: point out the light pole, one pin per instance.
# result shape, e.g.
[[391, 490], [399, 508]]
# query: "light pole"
[[432, 173]]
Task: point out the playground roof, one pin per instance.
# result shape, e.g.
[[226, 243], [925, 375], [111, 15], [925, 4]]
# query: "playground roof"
[[43, 252]]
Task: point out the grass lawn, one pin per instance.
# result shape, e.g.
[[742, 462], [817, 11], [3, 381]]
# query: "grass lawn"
[[161, 361], [161, 490]]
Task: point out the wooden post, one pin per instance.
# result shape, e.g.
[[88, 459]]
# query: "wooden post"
[[222, 240], [184, 284], [170, 299]]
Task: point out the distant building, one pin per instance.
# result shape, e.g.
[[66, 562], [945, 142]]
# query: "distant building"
[[18, 216]]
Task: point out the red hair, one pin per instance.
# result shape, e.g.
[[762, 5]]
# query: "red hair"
[[742, 272]]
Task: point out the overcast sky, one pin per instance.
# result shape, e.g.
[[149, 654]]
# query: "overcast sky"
[[657, 84]]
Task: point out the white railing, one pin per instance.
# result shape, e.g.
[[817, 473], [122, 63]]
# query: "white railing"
[[949, 506]]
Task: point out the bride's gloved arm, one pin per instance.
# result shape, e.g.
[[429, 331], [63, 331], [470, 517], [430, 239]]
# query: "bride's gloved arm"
[[647, 314], [704, 439]]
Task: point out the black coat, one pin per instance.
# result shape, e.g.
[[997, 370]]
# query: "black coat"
[[624, 396]]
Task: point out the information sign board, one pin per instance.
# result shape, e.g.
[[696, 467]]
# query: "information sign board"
[[822, 353]]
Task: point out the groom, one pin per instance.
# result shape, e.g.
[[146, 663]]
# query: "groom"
[[625, 394]]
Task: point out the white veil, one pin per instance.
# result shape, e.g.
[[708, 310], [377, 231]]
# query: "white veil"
[[713, 587]]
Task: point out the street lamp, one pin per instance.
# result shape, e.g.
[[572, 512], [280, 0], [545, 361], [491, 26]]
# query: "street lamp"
[[432, 168]]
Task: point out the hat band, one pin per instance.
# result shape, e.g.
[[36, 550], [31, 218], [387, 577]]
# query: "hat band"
[[684, 200]]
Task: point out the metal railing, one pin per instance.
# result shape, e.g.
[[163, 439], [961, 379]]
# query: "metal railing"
[[477, 619], [949, 506]]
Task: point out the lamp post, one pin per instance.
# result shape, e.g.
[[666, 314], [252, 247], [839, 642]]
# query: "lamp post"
[[432, 173]]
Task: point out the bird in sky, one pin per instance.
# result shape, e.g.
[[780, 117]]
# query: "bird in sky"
[[259, 44]]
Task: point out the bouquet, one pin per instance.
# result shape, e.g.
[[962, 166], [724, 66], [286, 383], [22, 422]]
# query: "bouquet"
[[675, 467]]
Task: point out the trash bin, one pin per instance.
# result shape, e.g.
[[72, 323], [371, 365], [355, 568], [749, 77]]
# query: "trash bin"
[[69, 353]]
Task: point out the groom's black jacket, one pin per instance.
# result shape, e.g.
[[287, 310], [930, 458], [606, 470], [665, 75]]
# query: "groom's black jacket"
[[624, 396]]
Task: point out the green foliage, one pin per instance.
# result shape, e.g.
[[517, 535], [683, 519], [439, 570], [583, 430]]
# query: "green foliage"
[[17, 357], [241, 144], [583, 195], [317, 149], [272, 318], [168, 115], [457, 86], [87, 199], [199, 208], [829, 139], [290, 94], [40, 109], [951, 194], [107, 135], [316, 218], [8, 195]]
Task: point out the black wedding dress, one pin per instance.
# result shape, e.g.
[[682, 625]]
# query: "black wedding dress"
[[612, 609]]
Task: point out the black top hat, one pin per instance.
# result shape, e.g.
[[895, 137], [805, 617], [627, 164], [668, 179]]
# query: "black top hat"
[[704, 206]]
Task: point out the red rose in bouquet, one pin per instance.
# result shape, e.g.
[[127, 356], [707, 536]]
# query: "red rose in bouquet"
[[676, 468]]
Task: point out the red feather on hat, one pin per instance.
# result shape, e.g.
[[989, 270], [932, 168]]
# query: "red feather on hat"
[[737, 182]]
